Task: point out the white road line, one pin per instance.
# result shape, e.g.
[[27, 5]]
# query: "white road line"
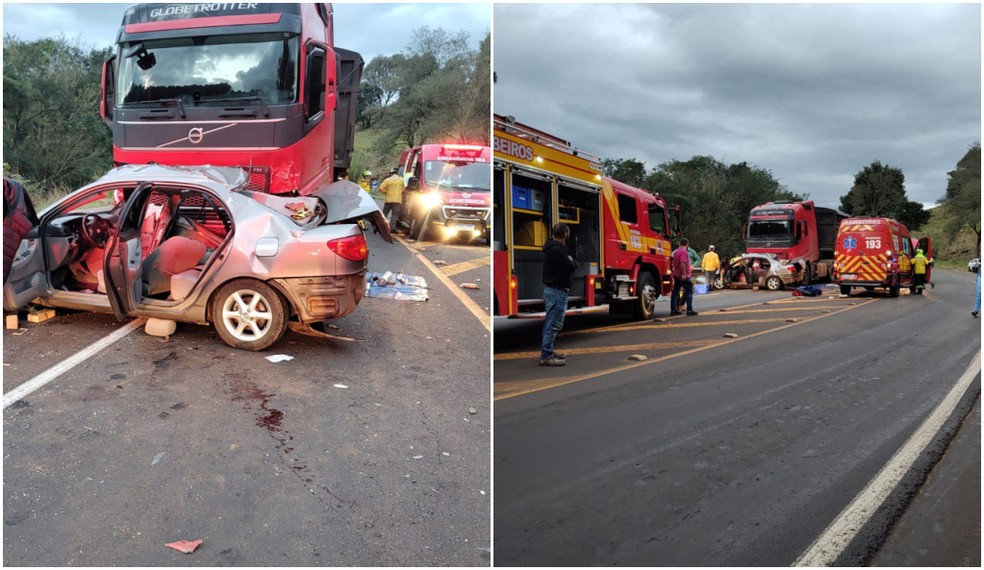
[[825, 549], [64, 366]]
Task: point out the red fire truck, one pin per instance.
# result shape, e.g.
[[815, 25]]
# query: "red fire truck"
[[620, 235], [259, 86], [795, 230], [447, 189]]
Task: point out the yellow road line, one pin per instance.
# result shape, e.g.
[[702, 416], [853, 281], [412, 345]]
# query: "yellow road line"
[[511, 389], [605, 349], [483, 316], [466, 266]]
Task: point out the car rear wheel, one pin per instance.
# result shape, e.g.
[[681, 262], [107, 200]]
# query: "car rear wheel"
[[249, 315], [773, 283]]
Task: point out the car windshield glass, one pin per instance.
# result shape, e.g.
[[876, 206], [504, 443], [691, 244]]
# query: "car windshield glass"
[[443, 175], [257, 70]]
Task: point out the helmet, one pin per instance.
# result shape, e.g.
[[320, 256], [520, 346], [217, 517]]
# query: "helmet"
[[710, 247], [919, 252], [367, 173]]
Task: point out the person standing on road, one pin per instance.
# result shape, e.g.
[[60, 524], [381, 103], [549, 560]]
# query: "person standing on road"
[[977, 305], [392, 190], [919, 265], [711, 263], [681, 270], [366, 183], [558, 266]]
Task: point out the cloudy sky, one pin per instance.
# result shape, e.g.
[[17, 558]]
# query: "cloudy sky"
[[370, 29], [813, 93]]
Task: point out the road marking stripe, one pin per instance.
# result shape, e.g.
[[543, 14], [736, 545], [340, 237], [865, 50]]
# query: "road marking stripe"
[[64, 366], [465, 266], [482, 316], [501, 389], [831, 543], [606, 349]]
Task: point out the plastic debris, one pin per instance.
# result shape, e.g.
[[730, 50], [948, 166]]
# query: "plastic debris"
[[341, 386], [157, 458], [185, 546], [279, 357], [638, 357], [396, 286], [469, 286], [730, 335]]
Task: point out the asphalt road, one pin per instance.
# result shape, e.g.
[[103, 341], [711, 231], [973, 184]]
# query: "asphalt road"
[[720, 451], [368, 452]]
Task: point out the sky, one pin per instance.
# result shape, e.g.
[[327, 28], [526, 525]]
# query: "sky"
[[812, 93], [370, 29]]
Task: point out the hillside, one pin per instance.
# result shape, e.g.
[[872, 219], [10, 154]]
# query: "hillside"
[[953, 253]]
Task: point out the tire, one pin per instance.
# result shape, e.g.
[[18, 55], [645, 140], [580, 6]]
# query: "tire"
[[249, 314], [773, 283], [719, 283], [808, 275], [845, 289], [646, 293]]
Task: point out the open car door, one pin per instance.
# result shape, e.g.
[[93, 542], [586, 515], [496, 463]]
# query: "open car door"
[[24, 272], [926, 244], [123, 263]]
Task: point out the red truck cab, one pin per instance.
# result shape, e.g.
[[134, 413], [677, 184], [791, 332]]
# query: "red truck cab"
[[447, 190], [792, 230]]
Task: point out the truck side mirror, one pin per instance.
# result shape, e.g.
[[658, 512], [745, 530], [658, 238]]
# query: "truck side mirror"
[[107, 104]]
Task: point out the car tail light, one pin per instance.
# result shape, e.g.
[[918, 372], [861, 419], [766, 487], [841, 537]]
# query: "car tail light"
[[352, 248]]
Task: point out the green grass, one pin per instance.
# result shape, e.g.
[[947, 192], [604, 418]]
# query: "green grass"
[[951, 253]]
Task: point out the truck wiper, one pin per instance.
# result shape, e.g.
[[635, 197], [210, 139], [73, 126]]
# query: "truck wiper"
[[174, 100], [247, 99]]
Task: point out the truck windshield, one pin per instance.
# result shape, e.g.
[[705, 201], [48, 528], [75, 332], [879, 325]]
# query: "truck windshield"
[[443, 175], [772, 229], [259, 69]]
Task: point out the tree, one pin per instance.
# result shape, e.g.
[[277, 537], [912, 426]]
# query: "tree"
[[629, 171], [879, 190], [52, 133], [963, 195]]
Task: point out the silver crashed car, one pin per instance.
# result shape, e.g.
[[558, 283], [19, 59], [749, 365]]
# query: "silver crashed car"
[[762, 270], [191, 244]]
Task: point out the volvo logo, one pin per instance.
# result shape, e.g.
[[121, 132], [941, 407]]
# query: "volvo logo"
[[196, 135]]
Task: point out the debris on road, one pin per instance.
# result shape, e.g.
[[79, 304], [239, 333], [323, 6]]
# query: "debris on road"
[[160, 327], [185, 546], [730, 335], [440, 262], [19, 332], [638, 357], [312, 330], [662, 321], [279, 358], [472, 410], [12, 322], [341, 386], [469, 286], [397, 286], [36, 315], [157, 458], [792, 320]]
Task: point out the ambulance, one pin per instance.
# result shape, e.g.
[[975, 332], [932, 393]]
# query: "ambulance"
[[875, 252], [447, 191]]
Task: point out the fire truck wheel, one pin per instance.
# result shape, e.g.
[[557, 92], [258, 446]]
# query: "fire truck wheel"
[[645, 305], [773, 283], [249, 314]]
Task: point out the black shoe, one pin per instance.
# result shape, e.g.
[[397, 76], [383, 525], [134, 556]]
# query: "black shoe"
[[974, 313], [691, 313], [675, 313]]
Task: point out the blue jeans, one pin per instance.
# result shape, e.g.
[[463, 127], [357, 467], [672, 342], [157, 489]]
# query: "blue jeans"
[[688, 294], [555, 304], [977, 305]]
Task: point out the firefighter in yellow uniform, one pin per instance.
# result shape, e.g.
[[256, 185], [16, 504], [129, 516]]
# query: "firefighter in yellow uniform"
[[392, 191], [365, 183], [711, 263], [919, 264]]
